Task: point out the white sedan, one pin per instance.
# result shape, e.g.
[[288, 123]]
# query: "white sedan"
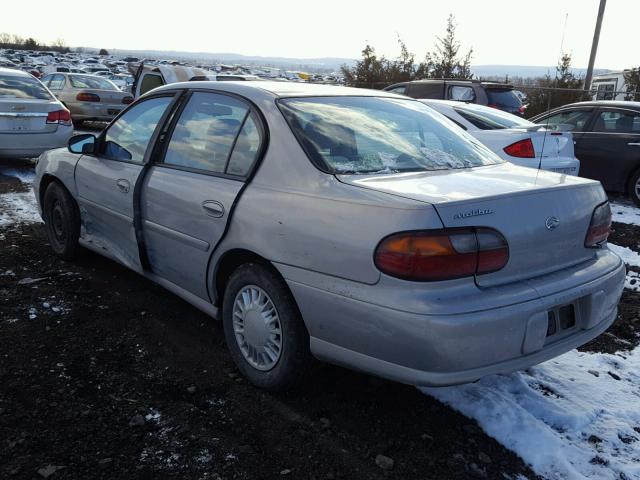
[[513, 138]]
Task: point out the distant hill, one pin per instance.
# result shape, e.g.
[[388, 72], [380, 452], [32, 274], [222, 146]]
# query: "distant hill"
[[326, 64], [524, 71]]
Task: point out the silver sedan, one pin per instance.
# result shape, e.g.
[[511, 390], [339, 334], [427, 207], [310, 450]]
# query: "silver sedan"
[[88, 97], [358, 227], [31, 119]]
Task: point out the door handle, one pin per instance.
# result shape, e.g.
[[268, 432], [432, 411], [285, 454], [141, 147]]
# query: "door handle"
[[213, 208], [634, 144], [123, 185]]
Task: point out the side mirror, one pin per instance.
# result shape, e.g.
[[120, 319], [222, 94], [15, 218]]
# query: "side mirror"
[[84, 143]]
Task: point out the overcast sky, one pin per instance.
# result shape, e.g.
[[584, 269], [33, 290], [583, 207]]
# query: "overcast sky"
[[506, 32]]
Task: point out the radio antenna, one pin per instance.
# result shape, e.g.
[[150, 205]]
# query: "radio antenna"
[[555, 85]]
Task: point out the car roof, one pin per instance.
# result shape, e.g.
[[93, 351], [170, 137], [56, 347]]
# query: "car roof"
[[281, 89], [607, 103], [15, 72]]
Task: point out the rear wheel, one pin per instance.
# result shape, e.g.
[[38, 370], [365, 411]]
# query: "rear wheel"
[[263, 328], [62, 221], [634, 187]]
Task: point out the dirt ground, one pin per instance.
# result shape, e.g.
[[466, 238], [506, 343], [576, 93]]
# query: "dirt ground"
[[105, 375]]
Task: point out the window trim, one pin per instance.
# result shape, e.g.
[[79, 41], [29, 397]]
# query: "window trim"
[[100, 140], [252, 109]]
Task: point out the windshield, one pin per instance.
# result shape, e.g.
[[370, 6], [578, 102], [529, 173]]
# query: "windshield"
[[487, 118], [14, 86], [90, 81], [380, 135]]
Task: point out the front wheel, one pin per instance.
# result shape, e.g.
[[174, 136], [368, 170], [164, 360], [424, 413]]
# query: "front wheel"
[[62, 221], [634, 187], [263, 328]]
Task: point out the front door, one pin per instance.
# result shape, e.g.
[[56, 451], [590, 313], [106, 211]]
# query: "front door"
[[188, 195], [610, 148], [105, 181]]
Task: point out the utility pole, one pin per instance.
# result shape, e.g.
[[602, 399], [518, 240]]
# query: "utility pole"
[[594, 45]]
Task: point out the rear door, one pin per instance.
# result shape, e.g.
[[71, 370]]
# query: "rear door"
[[106, 181], [609, 150], [189, 193]]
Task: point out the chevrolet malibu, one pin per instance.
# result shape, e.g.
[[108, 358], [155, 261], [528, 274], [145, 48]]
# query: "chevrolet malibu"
[[357, 227]]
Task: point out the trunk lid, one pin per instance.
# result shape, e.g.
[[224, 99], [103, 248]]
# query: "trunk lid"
[[27, 115], [544, 216]]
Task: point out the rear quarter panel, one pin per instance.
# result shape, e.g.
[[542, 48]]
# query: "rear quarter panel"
[[60, 164]]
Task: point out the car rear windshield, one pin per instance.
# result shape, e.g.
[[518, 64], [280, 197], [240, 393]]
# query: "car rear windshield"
[[14, 86], [357, 135], [487, 118], [503, 98], [89, 81]]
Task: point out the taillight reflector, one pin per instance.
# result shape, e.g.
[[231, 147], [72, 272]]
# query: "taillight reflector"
[[600, 226], [442, 254], [521, 149], [87, 97]]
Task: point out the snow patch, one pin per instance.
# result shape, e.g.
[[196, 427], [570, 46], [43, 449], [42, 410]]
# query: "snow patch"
[[18, 207], [625, 213], [573, 417], [627, 255], [25, 176]]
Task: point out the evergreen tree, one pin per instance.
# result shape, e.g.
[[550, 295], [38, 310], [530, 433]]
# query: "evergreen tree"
[[632, 81], [444, 62]]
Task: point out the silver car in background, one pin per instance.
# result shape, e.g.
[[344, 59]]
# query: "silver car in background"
[[88, 97], [31, 119], [356, 226]]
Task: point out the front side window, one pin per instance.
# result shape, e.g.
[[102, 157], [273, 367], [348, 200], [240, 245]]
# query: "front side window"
[[128, 137], [17, 86], [575, 120], [616, 121], [359, 135], [399, 90], [204, 134], [461, 93]]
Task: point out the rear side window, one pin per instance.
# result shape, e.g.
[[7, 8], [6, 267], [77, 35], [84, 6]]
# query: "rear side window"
[[56, 82], [503, 98], [91, 81], [462, 93], [246, 149], [204, 134], [14, 86], [486, 118], [616, 121], [399, 90]]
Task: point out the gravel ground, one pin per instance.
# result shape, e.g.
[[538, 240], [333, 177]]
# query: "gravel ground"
[[106, 375]]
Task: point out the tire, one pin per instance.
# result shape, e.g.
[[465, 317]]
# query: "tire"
[[251, 336], [62, 221], [634, 193]]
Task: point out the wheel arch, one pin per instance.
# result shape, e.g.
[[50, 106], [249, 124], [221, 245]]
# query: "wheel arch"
[[228, 262]]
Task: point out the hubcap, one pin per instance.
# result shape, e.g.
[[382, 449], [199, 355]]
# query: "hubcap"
[[57, 222], [257, 328], [637, 188]]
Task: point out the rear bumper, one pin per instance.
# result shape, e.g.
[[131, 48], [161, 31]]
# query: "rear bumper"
[[439, 350], [31, 145], [94, 111]]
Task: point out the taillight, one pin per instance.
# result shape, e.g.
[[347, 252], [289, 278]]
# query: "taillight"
[[521, 149], [127, 100], [87, 97], [521, 109], [600, 226], [442, 254], [62, 117]]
